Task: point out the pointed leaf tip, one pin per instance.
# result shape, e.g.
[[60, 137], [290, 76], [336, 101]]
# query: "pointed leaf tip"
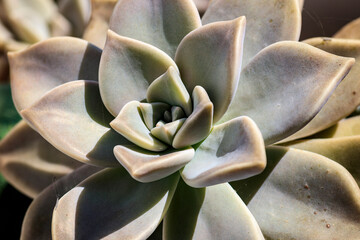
[[210, 57], [74, 120], [346, 96], [281, 76], [169, 88]]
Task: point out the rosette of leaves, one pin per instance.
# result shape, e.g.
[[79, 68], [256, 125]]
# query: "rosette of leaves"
[[173, 111]]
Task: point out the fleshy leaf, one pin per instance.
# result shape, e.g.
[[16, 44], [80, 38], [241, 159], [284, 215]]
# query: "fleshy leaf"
[[234, 150], [344, 150], [198, 125], [285, 86], [25, 155], [133, 209], [176, 113], [29, 19], [267, 21], [210, 57], [169, 88], [74, 120], [201, 5], [346, 96], [146, 166], [129, 124], [210, 213], [127, 68], [167, 131], [49, 64], [344, 128], [350, 30], [78, 12], [37, 221], [152, 112], [160, 23], [306, 196]]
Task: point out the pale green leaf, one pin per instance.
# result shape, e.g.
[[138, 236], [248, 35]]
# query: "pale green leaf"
[[146, 166], [285, 86], [25, 155], [37, 221], [129, 124], [234, 150], [169, 88], [166, 132], [305, 195], [267, 21], [49, 64], [198, 125], [152, 113], [210, 213], [74, 120], [126, 70], [162, 24], [112, 205], [344, 128], [344, 150], [210, 56], [346, 96]]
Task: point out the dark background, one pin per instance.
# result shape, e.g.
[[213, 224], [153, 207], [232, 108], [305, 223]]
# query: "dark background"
[[323, 18]]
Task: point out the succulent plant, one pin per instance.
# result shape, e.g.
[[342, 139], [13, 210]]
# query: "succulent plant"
[[173, 111]]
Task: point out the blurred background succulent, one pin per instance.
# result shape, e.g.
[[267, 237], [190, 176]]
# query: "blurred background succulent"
[[26, 22], [190, 100], [23, 23]]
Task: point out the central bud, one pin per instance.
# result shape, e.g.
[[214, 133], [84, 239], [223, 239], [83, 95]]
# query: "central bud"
[[168, 117], [162, 120]]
